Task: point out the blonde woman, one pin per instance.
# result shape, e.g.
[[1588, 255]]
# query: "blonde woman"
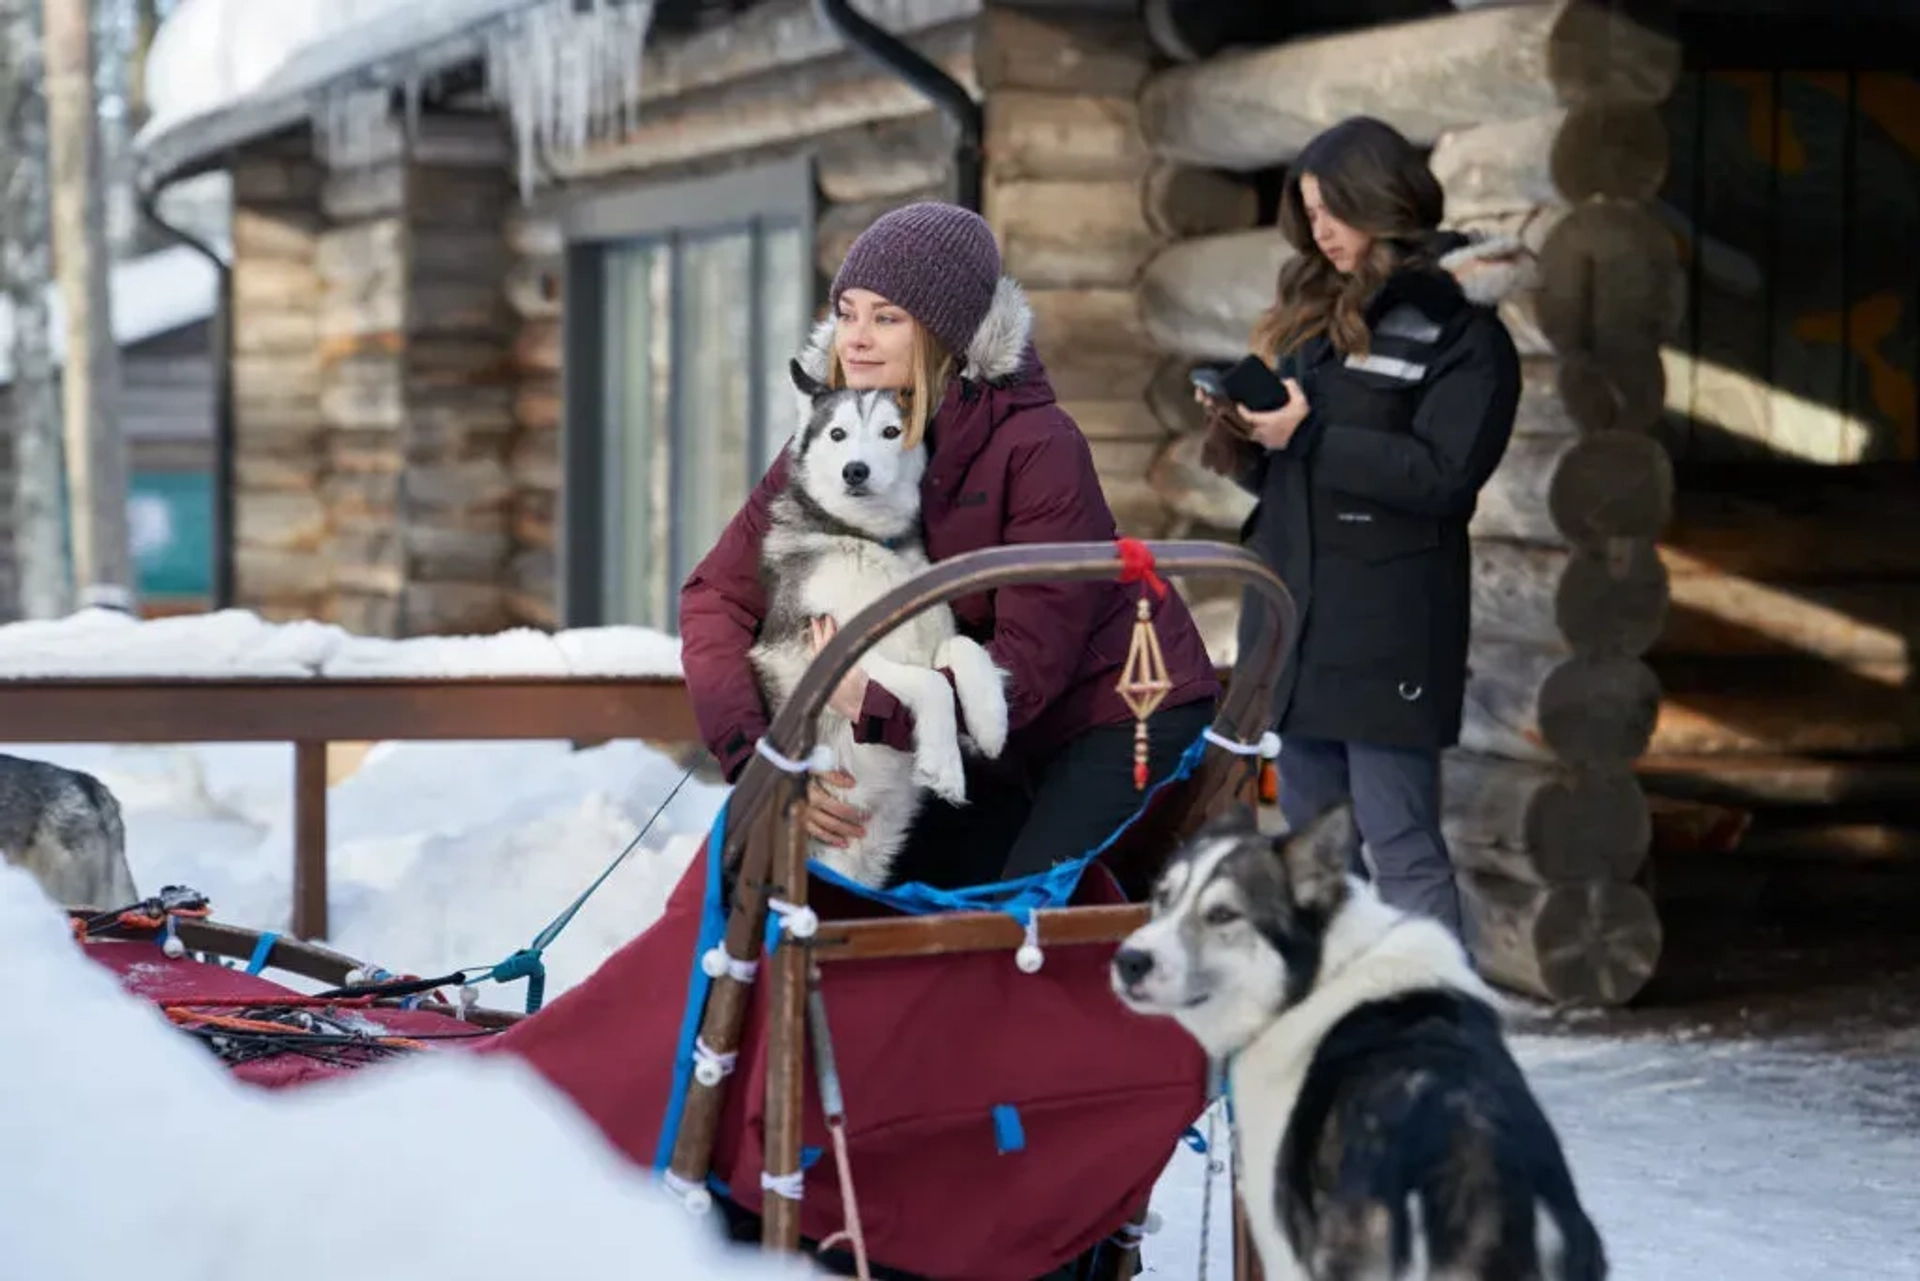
[[920, 306]]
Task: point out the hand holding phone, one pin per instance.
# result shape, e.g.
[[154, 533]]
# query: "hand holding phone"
[[1249, 382]]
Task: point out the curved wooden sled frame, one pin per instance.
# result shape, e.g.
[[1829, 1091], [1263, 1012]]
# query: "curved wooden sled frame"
[[765, 849]]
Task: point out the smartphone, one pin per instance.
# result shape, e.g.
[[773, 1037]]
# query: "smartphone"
[[1249, 382], [1207, 378]]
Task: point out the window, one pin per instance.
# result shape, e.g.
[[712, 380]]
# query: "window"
[[679, 329]]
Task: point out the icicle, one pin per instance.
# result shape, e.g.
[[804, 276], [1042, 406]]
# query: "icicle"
[[568, 77], [350, 126]]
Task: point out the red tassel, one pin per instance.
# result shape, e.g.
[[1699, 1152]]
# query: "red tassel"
[[1139, 775], [1136, 566]]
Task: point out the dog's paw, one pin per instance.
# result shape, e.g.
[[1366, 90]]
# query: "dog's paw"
[[945, 775], [981, 689]]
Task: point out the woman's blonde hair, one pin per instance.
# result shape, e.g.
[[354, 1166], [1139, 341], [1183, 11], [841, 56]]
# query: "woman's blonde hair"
[[931, 368]]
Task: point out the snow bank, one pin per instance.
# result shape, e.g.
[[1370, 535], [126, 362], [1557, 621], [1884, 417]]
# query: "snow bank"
[[441, 855], [239, 643], [129, 1151]]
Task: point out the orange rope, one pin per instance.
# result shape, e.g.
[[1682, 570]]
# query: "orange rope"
[[184, 1015]]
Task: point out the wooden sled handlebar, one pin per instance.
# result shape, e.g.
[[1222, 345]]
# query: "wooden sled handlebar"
[[794, 731]]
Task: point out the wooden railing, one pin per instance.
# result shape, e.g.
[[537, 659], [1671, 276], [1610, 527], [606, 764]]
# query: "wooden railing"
[[312, 712]]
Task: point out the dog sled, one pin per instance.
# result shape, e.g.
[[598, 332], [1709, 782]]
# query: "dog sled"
[[906, 1082]]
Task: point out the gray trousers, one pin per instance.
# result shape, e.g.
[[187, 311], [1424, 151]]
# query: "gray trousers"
[[1396, 806]]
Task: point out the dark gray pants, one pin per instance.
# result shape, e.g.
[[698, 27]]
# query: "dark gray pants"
[[1396, 806]]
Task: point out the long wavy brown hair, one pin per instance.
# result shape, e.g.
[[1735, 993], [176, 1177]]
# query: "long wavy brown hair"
[[1374, 180]]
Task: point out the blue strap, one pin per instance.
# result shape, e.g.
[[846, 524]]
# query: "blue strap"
[[262, 949], [1018, 897], [1008, 1134], [528, 962], [713, 928]]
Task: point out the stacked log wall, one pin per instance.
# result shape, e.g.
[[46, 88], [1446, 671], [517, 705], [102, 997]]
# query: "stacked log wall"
[[415, 396], [1544, 125], [536, 274], [281, 536]]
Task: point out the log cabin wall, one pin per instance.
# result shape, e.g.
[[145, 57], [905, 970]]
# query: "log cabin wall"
[[1547, 821], [371, 381], [1081, 205], [415, 391], [281, 530], [1794, 422]]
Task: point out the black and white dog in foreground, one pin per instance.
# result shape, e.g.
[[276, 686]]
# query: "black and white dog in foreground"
[[1383, 1129], [845, 531]]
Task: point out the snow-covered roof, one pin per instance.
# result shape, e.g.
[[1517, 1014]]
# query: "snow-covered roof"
[[153, 294], [226, 71]]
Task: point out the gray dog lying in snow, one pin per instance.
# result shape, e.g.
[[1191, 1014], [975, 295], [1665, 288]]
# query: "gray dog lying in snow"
[[64, 828]]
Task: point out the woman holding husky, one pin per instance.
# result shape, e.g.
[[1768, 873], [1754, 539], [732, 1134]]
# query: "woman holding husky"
[[1402, 384], [920, 307]]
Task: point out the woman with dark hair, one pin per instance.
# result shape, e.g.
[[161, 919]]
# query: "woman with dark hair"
[[1402, 385]]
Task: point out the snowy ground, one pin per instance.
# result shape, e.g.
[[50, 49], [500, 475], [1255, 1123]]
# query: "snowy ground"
[[1700, 1156]]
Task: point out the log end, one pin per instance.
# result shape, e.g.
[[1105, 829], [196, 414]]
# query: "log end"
[[1599, 709], [1597, 943], [1610, 486], [1610, 279]]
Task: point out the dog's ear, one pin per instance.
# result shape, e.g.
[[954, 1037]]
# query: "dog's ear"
[[806, 382], [1315, 858]]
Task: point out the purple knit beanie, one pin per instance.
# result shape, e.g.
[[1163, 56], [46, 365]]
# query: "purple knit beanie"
[[938, 262]]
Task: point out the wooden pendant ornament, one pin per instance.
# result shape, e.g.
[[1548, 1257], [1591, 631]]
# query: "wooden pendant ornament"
[[1143, 679]]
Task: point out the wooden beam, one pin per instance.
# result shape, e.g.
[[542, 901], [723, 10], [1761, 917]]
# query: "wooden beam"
[[323, 709], [953, 933], [836, 94], [1182, 201], [1075, 54], [771, 37], [1257, 108], [1544, 824], [1591, 943], [1785, 524], [1201, 298], [1528, 703], [1563, 155], [1597, 603]]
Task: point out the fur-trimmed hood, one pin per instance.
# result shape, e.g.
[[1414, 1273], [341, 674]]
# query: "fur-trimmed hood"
[[1000, 354], [1488, 268]]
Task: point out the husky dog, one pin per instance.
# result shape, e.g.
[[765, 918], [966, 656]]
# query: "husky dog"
[[844, 531], [1382, 1127], [64, 828]]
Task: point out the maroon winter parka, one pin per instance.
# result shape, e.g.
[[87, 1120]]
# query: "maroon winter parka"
[[1007, 465]]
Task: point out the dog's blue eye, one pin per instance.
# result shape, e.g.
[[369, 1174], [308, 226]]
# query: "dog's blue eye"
[[1220, 914]]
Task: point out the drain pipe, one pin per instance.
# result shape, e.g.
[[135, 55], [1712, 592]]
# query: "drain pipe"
[[223, 436], [946, 93]]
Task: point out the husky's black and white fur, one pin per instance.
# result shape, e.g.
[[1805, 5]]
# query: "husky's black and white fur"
[[1383, 1129], [844, 531]]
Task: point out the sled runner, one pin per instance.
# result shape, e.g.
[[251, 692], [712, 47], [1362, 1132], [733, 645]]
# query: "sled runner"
[[917, 1082]]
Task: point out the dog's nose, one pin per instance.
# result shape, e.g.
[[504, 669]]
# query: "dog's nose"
[[1132, 964], [855, 473]]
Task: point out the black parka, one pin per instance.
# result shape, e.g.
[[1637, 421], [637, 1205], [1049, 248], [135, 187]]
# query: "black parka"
[[1364, 514]]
